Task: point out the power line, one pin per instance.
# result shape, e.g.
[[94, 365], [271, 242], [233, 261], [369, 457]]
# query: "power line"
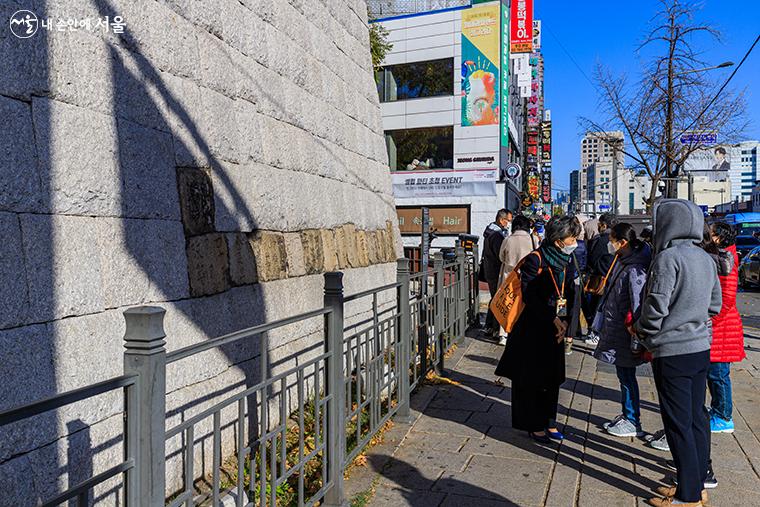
[[709, 104], [551, 32]]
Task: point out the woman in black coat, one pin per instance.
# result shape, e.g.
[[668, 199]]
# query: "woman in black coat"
[[534, 357]]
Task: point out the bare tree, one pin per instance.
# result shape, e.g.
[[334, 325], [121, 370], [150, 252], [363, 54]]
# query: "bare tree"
[[674, 95]]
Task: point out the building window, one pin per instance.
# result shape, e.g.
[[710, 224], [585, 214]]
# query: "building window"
[[416, 80], [431, 147]]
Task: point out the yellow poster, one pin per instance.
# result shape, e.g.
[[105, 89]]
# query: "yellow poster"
[[480, 65]]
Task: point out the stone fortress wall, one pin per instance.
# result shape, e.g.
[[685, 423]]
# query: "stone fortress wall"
[[215, 158]]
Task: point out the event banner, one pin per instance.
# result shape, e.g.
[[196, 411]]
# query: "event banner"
[[444, 183], [480, 65], [522, 26]]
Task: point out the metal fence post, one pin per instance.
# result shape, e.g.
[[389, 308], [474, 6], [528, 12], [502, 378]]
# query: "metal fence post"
[[475, 287], [404, 338], [461, 294], [439, 312], [336, 430], [145, 355]]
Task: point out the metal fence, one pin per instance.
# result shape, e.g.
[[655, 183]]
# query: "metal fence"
[[314, 418]]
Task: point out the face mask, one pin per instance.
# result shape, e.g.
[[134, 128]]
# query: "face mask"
[[611, 249], [568, 249]]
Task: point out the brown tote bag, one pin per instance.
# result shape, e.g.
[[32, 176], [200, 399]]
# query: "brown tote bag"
[[507, 304], [595, 284]]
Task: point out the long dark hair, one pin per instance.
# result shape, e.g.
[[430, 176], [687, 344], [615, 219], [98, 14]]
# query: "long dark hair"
[[707, 244], [724, 233], [625, 231]]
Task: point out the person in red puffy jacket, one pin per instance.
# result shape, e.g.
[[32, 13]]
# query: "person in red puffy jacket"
[[728, 334]]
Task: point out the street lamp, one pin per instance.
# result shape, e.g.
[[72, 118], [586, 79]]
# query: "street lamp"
[[719, 66]]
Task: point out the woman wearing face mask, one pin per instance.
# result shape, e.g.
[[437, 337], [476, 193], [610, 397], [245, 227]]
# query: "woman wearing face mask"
[[534, 357], [619, 307]]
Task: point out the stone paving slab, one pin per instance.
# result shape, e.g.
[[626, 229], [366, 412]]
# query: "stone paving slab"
[[462, 451]]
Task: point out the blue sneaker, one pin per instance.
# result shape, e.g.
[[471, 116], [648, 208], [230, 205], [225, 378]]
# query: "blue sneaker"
[[719, 425], [555, 435]]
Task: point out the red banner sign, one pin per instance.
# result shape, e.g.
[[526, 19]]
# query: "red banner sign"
[[521, 29]]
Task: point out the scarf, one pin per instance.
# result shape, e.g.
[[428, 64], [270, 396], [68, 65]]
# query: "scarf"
[[558, 261]]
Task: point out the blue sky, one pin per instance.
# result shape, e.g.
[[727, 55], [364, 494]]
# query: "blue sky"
[[601, 31]]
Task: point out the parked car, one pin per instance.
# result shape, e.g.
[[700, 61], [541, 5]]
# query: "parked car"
[[744, 244], [749, 269]]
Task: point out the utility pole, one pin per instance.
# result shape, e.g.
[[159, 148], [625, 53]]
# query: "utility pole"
[[671, 185], [614, 182]]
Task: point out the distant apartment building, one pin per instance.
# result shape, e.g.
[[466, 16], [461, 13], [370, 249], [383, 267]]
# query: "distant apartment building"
[[599, 147]]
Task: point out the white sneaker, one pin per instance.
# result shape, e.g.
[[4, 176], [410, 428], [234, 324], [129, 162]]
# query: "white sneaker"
[[593, 339], [659, 441], [624, 428], [502, 340], [613, 422]]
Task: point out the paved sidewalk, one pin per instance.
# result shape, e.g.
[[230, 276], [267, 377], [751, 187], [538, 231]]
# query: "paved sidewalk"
[[461, 450]]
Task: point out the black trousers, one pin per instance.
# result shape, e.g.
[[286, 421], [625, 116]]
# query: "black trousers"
[[533, 408], [681, 384], [492, 325]]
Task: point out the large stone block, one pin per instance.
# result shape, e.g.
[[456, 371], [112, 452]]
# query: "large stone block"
[[142, 261], [185, 119], [196, 198], [242, 260], [295, 254], [87, 86], [78, 159], [342, 246], [271, 257], [362, 248], [330, 250], [207, 264], [62, 265], [20, 188], [313, 251], [14, 296], [25, 61], [148, 175]]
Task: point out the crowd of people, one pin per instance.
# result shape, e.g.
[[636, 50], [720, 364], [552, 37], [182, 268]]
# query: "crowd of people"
[[665, 295]]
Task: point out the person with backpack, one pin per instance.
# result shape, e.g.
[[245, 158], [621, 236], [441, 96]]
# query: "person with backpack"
[[598, 265], [534, 357], [513, 249], [683, 292], [493, 236], [619, 306]]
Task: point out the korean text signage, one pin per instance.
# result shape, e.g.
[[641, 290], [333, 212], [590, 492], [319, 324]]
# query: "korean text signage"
[[522, 26], [536, 34], [534, 186], [546, 186], [444, 183], [504, 107], [546, 143], [480, 65], [443, 220], [534, 102]]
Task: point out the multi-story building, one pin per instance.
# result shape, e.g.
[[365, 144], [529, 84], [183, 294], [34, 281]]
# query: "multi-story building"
[[442, 117], [600, 147], [743, 172]]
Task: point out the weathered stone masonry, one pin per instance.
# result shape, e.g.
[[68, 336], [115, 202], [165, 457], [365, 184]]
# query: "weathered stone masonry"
[[215, 159]]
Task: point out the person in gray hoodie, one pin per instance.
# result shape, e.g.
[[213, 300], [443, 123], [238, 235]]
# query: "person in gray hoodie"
[[683, 292]]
